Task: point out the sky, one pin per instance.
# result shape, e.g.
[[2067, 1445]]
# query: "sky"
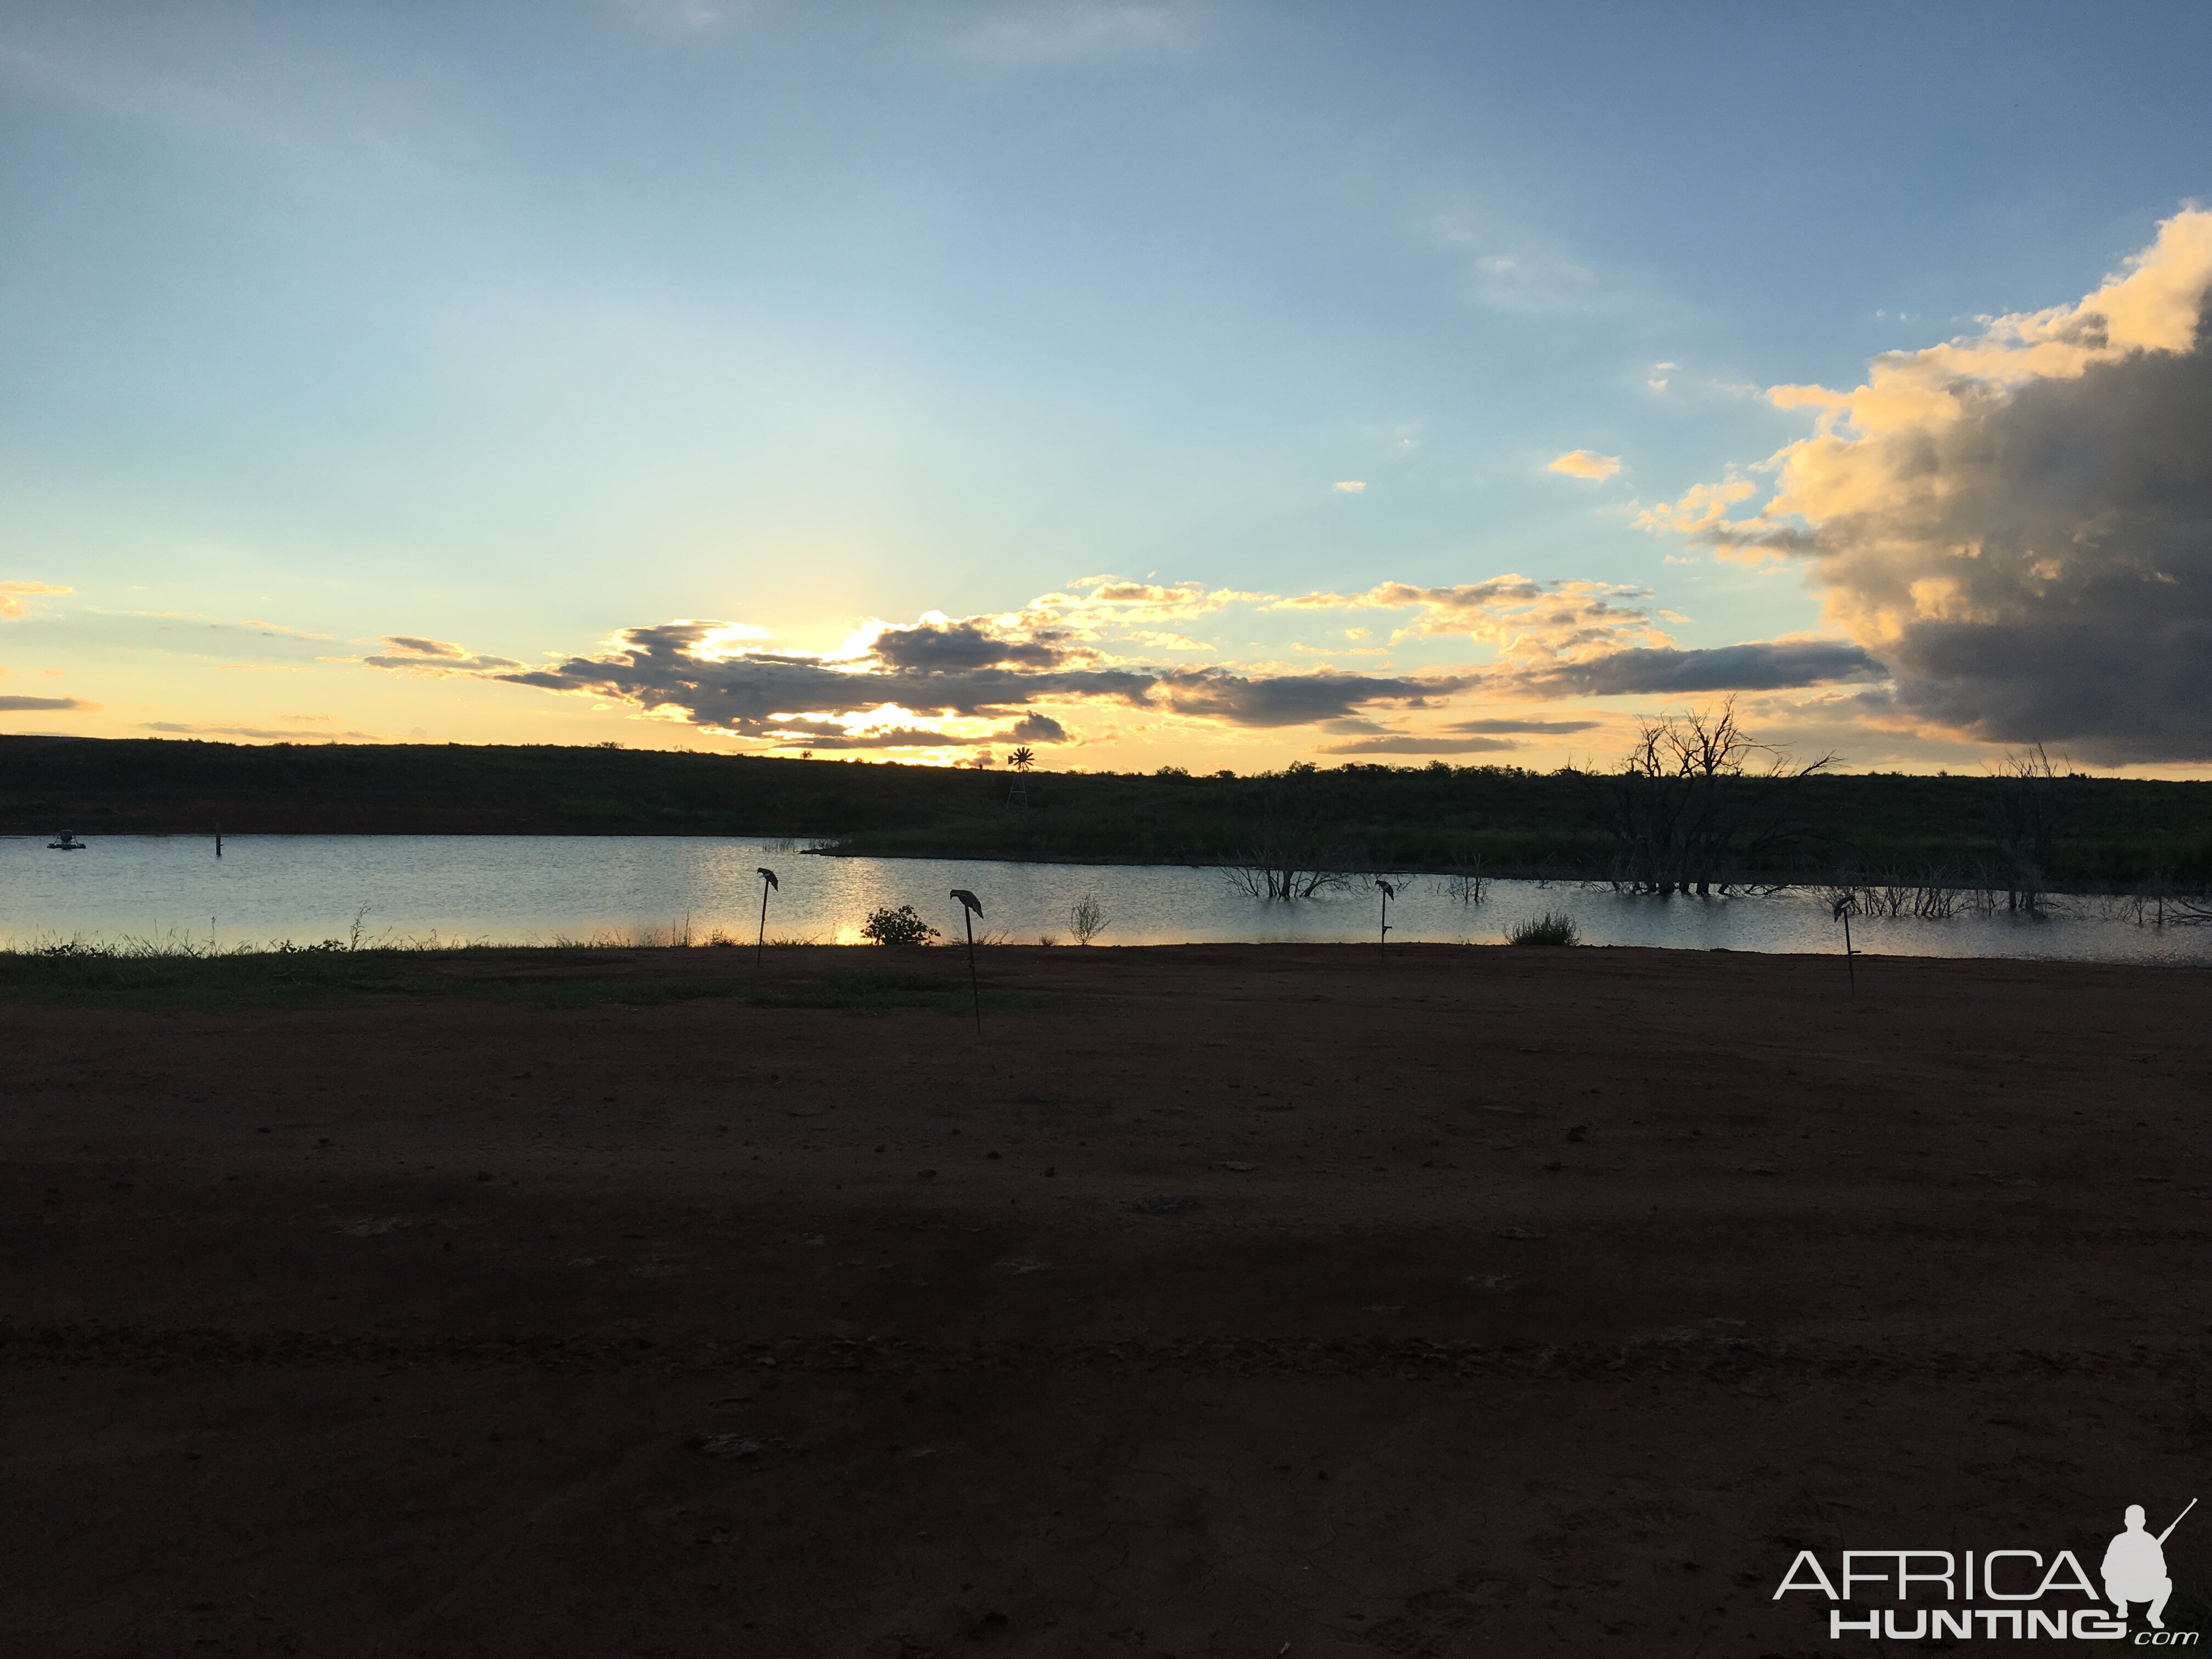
[[1212, 384]]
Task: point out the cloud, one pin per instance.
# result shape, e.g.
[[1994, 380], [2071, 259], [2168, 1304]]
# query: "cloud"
[[1584, 463], [260, 733], [1394, 744], [12, 595], [1351, 486], [947, 683], [411, 654], [28, 705], [1097, 603], [1513, 269], [887, 737], [1159, 640], [1533, 728], [884, 688], [271, 628], [2019, 522], [1293, 699], [1759, 666], [941, 646], [1518, 615], [1700, 507]]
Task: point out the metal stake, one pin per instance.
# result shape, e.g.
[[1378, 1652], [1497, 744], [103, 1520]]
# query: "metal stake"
[[767, 880], [970, 907], [1842, 912]]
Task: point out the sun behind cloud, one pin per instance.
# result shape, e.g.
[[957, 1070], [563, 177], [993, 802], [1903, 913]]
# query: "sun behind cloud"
[[1584, 463]]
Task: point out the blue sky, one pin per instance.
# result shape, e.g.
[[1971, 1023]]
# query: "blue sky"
[[505, 329]]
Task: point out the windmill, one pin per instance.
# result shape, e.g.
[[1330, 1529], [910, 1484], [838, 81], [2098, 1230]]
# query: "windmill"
[[970, 907], [767, 880]]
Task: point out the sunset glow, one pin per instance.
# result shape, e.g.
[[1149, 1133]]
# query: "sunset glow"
[[1296, 390]]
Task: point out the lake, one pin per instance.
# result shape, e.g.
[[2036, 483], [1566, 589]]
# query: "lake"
[[540, 890]]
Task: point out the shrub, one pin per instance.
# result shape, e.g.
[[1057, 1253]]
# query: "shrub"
[[899, 926], [1546, 929], [1085, 919]]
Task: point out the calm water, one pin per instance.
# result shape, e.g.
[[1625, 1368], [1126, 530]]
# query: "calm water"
[[540, 889]]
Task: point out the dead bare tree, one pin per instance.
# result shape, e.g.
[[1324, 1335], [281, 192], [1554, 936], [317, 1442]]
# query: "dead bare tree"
[[2029, 813], [1291, 854], [1694, 805]]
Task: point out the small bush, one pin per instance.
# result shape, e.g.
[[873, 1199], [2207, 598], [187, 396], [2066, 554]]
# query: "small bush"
[[1085, 919], [1546, 929], [899, 926]]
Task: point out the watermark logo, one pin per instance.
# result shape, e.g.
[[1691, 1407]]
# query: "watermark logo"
[[2029, 1591]]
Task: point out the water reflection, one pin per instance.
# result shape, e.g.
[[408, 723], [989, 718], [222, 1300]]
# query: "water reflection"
[[545, 889]]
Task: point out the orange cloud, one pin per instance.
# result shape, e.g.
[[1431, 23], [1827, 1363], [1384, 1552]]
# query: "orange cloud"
[[1584, 463], [11, 604]]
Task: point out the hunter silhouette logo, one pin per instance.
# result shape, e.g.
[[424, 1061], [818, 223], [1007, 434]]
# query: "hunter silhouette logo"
[[2135, 1567], [2028, 1591]]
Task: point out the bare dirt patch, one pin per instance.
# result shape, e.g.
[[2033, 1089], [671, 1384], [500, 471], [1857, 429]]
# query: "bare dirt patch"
[[1469, 1302]]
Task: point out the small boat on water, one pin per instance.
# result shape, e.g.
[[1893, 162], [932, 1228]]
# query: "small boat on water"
[[65, 843]]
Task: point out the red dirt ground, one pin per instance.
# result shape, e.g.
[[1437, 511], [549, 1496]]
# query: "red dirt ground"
[[1217, 1301]]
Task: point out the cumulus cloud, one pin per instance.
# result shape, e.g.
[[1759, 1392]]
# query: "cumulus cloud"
[[1701, 506], [950, 682], [2018, 523], [1585, 463], [29, 705], [1278, 700], [1351, 486], [943, 646], [883, 692], [12, 595]]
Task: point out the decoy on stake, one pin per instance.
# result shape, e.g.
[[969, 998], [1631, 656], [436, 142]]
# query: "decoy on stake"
[[1842, 912], [970, 907], [767, 880]]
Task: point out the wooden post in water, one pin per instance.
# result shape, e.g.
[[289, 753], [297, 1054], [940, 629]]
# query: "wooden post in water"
[[218, 841]]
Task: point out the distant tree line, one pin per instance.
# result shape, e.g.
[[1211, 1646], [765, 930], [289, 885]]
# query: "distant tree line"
[[1699, 806]]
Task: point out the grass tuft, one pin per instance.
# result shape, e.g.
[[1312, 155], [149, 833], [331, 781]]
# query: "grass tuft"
[[1550, 928]]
